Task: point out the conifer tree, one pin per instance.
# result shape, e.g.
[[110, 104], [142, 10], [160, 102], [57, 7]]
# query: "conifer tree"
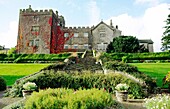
[[166, 35]]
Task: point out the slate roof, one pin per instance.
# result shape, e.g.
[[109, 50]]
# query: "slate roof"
[[104, 24], [149, 41]]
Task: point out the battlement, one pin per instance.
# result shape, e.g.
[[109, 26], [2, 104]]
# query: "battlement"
[[78, 28], [31, 11]]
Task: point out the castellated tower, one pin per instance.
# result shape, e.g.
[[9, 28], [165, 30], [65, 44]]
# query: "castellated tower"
[[37, 31]]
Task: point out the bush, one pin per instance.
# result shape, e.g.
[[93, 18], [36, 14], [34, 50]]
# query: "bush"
[[30, 58], [132, 70], [158, 102], [135, 56], [2, 84], [51, 79], [70, 99]]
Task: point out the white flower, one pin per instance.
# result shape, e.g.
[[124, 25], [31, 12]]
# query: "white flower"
[[122, 87], [30, 86]]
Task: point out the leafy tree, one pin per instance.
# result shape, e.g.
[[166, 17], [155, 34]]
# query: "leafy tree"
[[126, 44], [166, 35], [12, 50]]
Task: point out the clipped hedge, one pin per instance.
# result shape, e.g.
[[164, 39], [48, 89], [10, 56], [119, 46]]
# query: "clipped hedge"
[[52, 79], [139, 57], [132, 70], [31, 58], [2, 84], [69, 99]]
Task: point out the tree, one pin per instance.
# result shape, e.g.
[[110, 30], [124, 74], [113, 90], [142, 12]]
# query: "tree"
[[166, 36], [12, 50], [126, 44]]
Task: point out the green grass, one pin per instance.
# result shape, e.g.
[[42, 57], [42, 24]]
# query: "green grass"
[[12, 72], [155, 70]]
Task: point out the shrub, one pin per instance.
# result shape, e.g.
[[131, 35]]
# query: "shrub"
[[51, 79], [132, 70], [70, 99], [2, 84], [158, 102], [135, 56]]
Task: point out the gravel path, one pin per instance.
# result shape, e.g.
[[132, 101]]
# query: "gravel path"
[[4, 101]]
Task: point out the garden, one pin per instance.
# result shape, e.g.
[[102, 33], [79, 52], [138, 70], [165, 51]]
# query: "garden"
[[81, 82]]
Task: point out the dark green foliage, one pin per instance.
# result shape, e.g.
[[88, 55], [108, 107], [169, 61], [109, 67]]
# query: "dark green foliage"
[[126, 44], [2, 84], [135, 57], [166, 36], [69, 99], [132, 70], [31, 58], [52, 79]]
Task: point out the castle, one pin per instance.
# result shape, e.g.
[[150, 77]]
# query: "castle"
[[44, 32]]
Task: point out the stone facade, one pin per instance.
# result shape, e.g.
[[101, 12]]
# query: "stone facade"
[[148, 43], [38, 33], [103, 34], [97, 37]]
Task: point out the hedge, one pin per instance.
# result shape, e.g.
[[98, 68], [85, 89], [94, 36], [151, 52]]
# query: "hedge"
[[135, 56], [30, 58], [132, 70], [49, 78], [2, 84], [70, 99]]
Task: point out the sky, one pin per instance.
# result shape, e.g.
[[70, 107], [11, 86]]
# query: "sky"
[[143, 19]]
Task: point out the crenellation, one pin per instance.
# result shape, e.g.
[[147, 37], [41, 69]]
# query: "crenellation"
[[41, 10], [36, 11], [70, 27], [45, 10]]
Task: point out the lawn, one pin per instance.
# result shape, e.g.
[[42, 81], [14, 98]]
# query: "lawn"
[[11, 72], [155, 70]]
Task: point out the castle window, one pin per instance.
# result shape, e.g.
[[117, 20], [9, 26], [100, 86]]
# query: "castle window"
[[65, 46], [85, 46], [75, 46], [86, 34], [35, 28], [65, 34], [36, 18], [102, 34], [76, 34], [31, 43], [37, 42]]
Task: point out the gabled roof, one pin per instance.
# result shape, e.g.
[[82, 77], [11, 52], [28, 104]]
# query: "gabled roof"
[[104, 24], [149, 41]]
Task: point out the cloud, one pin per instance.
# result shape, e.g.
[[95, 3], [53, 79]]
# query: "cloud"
[[2, 2], [72, 4], [148, 26], [94, 12], [9, 38], [150, 2]]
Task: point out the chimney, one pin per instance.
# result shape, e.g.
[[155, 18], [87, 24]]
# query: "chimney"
[[29, 6], [111, 23]]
